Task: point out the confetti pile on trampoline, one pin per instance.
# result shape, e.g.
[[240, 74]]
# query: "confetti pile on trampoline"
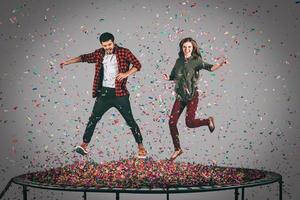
[[137, 173], [144, 176]]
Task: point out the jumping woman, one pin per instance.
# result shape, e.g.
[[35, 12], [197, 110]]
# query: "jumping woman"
[[185, 73]]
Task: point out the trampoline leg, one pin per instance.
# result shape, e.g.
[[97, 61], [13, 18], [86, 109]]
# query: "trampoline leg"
[[84, 195], [243, 193], [280, 189], [117, 196], [24, 192], [236, 194], [5, 189]]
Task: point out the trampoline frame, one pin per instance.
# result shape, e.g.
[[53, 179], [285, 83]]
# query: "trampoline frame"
[[271, 177]]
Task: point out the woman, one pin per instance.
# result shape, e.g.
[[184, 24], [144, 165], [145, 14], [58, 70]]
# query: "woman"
[[185, 73]]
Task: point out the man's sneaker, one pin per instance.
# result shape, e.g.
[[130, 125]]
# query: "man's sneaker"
[[142, 153], [175, 154], [82, 149]]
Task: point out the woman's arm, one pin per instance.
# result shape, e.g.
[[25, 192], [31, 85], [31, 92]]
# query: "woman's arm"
[[218, 65], [172, 75], [210, 67]]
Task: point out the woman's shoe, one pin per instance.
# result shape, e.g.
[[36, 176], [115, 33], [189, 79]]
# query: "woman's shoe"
[[211, 124], [175, 154]]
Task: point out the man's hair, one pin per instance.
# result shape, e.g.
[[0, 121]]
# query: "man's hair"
[[106, 36]]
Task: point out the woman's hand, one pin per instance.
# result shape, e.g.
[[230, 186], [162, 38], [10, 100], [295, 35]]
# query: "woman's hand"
[[218, 65], [166, 77], [224, 62]]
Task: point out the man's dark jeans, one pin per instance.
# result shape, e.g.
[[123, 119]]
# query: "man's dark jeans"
[[105, 100]]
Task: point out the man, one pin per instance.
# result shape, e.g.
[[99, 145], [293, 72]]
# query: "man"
[[109, 87]]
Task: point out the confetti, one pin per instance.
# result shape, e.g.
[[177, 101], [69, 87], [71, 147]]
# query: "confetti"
[[136, 173]]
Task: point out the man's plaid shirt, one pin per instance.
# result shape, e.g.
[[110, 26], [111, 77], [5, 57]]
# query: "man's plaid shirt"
[[124, 59]]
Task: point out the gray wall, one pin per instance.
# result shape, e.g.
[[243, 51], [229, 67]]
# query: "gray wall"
[[44, 109]]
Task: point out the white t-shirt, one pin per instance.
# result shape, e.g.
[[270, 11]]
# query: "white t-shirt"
[[110, 70]]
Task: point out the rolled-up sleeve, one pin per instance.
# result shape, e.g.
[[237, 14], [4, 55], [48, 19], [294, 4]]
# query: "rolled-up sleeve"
[[172, 75], [90, 57], [133, 60], [204, 65]]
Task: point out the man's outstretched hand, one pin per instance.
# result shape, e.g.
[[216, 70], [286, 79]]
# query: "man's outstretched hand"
[[62, 64], [68, 62]]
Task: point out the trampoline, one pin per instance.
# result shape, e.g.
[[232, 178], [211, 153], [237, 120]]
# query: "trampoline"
[[251, 178]]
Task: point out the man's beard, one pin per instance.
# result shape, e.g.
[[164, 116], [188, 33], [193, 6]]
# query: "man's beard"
[[108, 51]]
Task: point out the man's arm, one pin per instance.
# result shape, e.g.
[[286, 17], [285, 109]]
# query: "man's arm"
[[71, 61], [89, 57], [134, 61], [132, 70], [136, 66], [121, 76]]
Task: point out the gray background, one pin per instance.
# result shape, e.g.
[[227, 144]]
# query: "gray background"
[[44, 109]]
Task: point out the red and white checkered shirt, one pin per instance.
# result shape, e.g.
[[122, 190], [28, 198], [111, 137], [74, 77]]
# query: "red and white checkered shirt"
[[124, 59]]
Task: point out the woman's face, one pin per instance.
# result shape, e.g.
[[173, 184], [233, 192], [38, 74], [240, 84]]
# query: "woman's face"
[[187, 48]]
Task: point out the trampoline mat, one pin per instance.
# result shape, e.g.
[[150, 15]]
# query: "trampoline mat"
[[143, 173]]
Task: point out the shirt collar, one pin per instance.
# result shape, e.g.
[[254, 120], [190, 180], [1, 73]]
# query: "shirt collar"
[[116, 48]]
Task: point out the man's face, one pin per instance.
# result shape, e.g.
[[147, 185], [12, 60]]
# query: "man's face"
[[108, 46]]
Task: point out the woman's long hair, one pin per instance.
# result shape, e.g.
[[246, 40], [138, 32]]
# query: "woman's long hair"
[[195, 53]]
